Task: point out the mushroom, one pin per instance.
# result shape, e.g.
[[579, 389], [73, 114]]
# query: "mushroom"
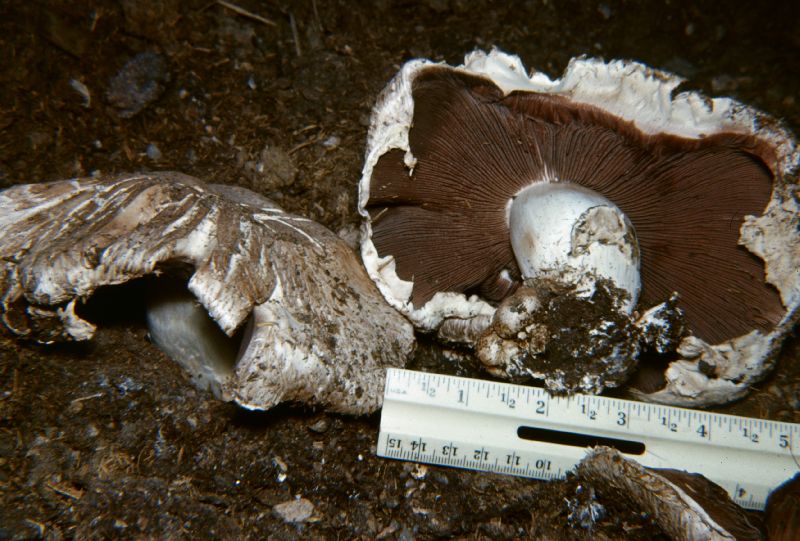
[[687, 506], [313, 326], [561, 227]]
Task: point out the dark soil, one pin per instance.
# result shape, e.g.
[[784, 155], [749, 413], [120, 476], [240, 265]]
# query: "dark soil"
[[107, 439]]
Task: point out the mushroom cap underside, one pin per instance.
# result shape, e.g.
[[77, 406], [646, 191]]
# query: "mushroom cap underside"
[[444, 220]]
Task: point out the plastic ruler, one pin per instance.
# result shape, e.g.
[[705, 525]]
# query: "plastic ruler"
[[524, 431]]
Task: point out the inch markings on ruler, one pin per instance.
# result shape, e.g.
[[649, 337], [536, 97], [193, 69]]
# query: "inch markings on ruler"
[[524, 431]]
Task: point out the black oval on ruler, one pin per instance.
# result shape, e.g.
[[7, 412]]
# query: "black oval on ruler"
[[575, 439]]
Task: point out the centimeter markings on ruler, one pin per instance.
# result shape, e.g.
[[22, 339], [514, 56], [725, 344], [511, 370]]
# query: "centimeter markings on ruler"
[[524, 431]]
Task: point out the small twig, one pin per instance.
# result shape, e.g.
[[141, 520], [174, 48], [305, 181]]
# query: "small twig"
[[305, 129], [303, 145], [89, 397], [65, 490], [295, 35], [95, 18], [38, 525], [244, 13], [316, 16]]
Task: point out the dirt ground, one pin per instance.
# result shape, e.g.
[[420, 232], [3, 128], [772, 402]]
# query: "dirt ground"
[[107, 439]]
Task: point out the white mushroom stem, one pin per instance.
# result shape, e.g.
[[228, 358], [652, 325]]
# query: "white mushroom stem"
[[565, 232], [181, 327]]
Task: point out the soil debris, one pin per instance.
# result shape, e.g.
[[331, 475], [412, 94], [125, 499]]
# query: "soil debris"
[[294, 511]]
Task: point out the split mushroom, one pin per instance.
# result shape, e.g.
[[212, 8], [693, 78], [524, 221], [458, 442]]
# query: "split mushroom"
[[315, 328], [562, 226]]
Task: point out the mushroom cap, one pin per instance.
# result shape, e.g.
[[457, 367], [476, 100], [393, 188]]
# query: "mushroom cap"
[[449, 147], [321, 332]]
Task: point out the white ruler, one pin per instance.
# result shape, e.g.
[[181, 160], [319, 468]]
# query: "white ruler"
[[518, 430]]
